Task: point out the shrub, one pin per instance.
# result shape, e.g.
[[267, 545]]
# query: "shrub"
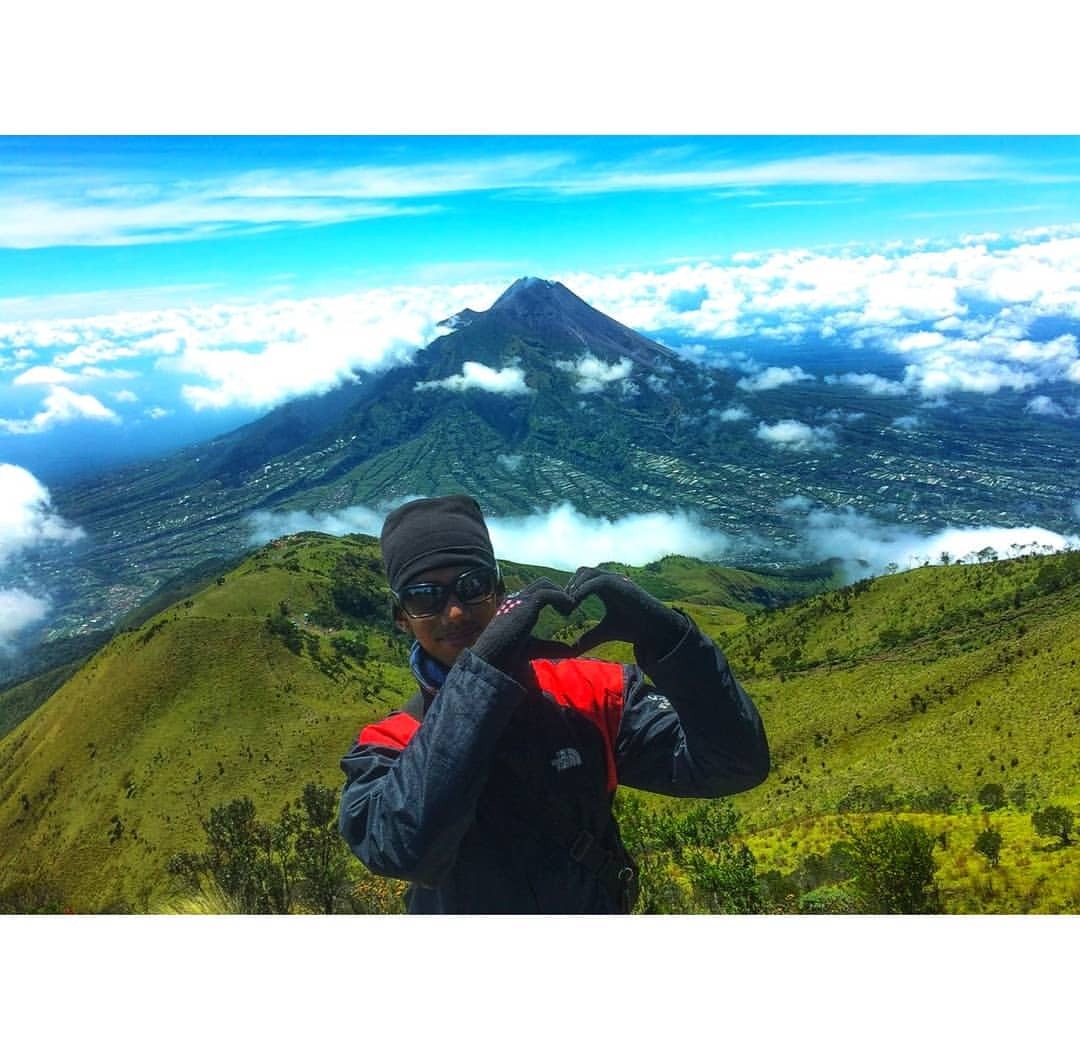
[[1055, 821], [991, 796], [829, 899], [988, 844], [893, 868]]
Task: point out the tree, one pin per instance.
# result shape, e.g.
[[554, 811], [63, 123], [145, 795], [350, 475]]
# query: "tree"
[[1055, 821], [988, 844], [298, 863], [893, 868], [673, 845], [991, 796], [322, 861]]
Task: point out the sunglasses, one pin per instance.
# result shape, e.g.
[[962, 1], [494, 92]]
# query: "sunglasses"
[[421, 600]]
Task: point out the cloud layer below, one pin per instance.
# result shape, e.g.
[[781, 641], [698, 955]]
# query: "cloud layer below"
[[565, 538], [27, 520], [957, 317]]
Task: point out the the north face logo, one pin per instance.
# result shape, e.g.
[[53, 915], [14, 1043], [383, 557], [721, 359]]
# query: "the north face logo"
[[567, 758]]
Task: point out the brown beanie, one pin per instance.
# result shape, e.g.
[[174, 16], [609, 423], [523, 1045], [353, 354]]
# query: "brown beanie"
[[434, 533]]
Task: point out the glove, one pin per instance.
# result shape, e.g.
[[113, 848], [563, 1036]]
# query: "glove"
[[504, 639], [630, 615]]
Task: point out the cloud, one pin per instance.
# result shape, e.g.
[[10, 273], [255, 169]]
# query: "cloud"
[[1043, 405], [43, 375], [907, 422], [19, 610], [27, 518], [827, 168], [772, 378], [116, 203], [736, 413], [796, 436], [61, 406], [558, 538], [869, 547], [948, 311], [964, 308], [594, 374], [253, 354], [872, 384], [475, 376]]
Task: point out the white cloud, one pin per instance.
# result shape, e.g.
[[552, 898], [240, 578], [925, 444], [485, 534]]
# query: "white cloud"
[[872, 384], [61, 406], [125, 396], [27, 518], [271, 524], [734, 414], [87, 205], [869, 547], [950, 311], [558, 538], [565, 538], [476, 376], [772, 378], [907, 422], [594, 374], [259, 354], [790, 433], [44, 375], [18, 610], [1043, 405]]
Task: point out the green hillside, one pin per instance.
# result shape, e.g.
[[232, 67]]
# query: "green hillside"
[[906, 695]]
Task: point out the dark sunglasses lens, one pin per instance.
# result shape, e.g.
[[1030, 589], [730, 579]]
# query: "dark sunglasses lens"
[[476, 586], [423, 600]]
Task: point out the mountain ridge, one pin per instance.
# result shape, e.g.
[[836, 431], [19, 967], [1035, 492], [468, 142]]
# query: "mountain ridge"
[[257, 682]]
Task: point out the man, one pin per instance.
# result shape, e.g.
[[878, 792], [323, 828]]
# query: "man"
[[491, 791]]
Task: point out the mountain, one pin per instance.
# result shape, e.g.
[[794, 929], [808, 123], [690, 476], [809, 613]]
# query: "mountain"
[[542, 400], [387, 436], [907, 693]]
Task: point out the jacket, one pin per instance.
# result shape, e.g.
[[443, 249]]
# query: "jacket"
[[470, 803]]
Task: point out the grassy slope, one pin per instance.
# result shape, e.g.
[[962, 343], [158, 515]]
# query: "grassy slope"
[[202, 704], [970, 694]]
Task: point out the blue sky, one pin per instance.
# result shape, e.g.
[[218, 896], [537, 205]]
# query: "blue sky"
[[157, 289], [196, 218]]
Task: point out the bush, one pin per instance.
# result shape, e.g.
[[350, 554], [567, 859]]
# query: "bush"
[[893, 869], [299, 863], [829, 899], [1055, 821], [991, 796], [988, 844]]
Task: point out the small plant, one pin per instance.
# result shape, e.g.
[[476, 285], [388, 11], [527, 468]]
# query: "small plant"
[[988, 844]]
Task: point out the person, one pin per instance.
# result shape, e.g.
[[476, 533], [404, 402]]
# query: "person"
[[491, 790]]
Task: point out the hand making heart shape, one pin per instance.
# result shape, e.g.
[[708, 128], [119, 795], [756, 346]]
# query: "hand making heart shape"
[[631, 615]]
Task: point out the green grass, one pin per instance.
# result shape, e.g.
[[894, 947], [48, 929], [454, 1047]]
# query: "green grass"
[[941, 678]]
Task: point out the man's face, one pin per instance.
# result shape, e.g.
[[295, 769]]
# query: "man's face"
[[447, 634]]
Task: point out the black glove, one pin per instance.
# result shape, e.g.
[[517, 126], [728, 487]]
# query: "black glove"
[[504, 640], [631, 615]]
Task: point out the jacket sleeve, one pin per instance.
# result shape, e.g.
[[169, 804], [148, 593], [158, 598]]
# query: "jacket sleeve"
[[410, 799], [695, 732]]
